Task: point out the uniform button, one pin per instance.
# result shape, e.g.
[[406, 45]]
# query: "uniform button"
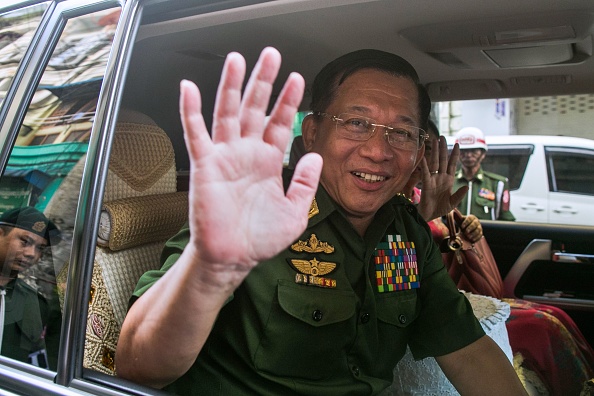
[[410, 208], [317, 315], [355, 371], [402, 319], [365, 318]]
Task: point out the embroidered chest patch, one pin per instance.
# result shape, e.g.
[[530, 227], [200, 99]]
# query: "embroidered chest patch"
[[396, 265], [487, 194]]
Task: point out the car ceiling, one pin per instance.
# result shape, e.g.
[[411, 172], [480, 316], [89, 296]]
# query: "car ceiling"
[[454, 45], [543, 47]]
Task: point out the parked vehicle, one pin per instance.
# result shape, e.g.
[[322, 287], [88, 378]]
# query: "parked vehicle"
[[549, 176], [76, 75]]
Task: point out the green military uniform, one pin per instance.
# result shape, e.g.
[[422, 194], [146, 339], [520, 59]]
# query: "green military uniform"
[[313, 320], [488, 196], [27, 314]]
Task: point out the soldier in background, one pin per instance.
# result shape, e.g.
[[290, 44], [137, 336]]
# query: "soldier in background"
[[488, 193], [29, 323]]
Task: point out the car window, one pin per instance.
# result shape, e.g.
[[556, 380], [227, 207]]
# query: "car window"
[[16, 30], [508, 160], [42, 179], [541, 146], [570, 170]]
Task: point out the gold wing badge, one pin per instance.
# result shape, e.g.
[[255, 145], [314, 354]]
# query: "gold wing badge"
[[313, 267], [311, 272]]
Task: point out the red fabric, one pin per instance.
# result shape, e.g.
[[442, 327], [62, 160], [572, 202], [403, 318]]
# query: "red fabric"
[[549, 340], [552, 346]]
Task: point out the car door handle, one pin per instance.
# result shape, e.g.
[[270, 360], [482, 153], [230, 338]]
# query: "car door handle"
[[533, 206], [565, 210], [573, 257]]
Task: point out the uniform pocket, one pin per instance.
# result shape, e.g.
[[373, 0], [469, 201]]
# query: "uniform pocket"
[[481, 201], [307, 332], [399, 308]]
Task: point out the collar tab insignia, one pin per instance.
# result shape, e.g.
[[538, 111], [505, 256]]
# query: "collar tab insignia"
[[313, 209]]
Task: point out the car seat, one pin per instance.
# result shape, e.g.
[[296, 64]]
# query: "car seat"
[[141, 210]]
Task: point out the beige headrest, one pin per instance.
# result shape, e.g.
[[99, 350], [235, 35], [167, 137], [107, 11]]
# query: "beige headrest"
[[131, 222]]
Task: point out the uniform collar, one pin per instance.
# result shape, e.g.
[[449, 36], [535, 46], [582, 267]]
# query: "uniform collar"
[[478, 176], [326, 206]]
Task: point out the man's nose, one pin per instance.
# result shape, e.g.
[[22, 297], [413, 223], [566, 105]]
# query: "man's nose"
[[31, 251], [377, 146]]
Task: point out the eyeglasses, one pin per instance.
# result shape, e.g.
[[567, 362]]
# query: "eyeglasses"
[[356, 127]]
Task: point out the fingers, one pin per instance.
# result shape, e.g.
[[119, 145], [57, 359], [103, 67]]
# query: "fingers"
[[304, 184], [257, 92], [454, 156], [225, 125], [433, 160], [443, 154], [280, 124], [195, 132], [457, 197], [472, 228]]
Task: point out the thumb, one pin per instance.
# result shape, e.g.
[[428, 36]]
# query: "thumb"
[[304, 184]]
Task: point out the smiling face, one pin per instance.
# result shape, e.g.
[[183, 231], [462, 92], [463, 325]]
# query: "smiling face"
[[362, 176], [19, 250]]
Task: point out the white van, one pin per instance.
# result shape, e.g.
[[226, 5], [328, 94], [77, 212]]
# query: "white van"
[[550, 177]]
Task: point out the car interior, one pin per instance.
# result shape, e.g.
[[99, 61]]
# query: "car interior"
[[462, 50]]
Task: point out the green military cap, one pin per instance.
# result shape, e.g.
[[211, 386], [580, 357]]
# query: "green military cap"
[[32, 220]]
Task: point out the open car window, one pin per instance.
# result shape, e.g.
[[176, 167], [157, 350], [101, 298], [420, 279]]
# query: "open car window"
[[44, 173]]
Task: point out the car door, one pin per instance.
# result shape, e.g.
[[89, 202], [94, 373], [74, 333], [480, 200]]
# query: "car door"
[[571, 185], [54, 62]]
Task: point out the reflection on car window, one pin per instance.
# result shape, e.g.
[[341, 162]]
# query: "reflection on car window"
[[16, 31], [571, 170], [508, 160], [39, 189]]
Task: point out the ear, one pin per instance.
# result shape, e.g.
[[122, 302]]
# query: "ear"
[[309, 130]]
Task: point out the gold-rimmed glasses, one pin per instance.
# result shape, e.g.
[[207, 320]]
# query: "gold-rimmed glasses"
[[357, 127]]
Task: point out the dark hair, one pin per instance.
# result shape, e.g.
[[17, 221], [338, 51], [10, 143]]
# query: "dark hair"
[[431, 126], [336, 72]]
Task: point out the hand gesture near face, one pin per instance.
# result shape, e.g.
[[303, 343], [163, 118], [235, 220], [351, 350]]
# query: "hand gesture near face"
[[438, 178], [239, 213]]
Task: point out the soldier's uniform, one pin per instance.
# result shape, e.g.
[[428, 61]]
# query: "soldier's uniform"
[[488, 196], [331, 314], [27, 317], [29, 323]]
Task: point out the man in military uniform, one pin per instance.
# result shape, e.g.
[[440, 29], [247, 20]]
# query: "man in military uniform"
[[29, 323], [488, 193], [310, 289]]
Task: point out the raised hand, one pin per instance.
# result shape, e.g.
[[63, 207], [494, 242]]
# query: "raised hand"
[[238, 212], [438, 178]]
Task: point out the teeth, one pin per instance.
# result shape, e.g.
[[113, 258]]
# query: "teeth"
[[369, 178]]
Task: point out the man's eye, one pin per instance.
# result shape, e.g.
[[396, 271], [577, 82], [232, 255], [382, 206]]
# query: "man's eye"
[[401, 133], [356, 124]]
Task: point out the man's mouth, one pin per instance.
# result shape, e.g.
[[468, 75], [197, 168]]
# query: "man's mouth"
[[369, 178]]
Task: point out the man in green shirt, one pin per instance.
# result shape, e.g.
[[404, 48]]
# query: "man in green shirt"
[[281, 285], [488, 193]]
